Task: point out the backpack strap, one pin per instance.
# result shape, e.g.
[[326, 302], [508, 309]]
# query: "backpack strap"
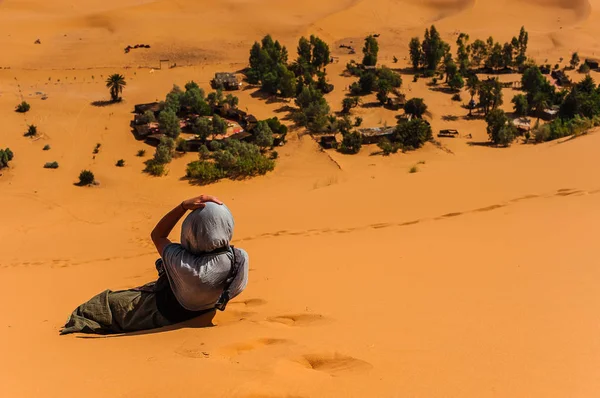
[[233, 271]]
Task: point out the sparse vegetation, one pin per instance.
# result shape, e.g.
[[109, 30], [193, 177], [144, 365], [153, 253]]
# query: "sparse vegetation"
[[46, 147], [31, 131], [413, 169], [120, 163], [23, 107], [141, 153], [86, 177], [97, 148], [51, 165], [6, 155]]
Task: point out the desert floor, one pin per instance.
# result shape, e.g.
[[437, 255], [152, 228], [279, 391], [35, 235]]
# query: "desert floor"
[[474, 277]]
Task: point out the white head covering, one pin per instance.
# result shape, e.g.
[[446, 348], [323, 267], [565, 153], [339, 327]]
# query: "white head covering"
[[207, 229]]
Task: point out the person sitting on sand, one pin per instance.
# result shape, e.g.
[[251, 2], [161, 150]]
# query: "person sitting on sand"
[[195, 277]]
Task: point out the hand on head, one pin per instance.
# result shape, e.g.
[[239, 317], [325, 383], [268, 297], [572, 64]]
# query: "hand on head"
[[199, 202]]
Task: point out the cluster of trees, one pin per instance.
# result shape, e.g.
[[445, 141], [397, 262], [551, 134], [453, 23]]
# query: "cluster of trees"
[[163, 156], [228, 159], [433, 52], [269, 66], [381, 80], [579, 110], [313, 109], [192, 101], [6, 155]]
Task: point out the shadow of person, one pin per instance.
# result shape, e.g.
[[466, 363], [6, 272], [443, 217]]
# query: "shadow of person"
[[203, 321]]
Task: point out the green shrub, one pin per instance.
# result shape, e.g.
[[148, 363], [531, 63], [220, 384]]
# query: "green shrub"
[[31, 131], [51, 165], [456, 97], [274, 155], [147, 117], [204, 171], [154, 168], [351, 143], [141, 153], [46, 147], [584, 68], [413, 169], [23, 107], [97, 148], [6, 155], [120, 163], [231, 159], [182, 145], [412, 134], [86, 177], [387, 147]]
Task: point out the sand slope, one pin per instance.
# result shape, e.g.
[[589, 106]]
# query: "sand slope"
[[475, 277]]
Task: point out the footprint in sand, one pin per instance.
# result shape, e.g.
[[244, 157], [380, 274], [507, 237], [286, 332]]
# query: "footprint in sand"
[[297, 319], [334, 364], [253, 302], [192, 352], [242, 347]]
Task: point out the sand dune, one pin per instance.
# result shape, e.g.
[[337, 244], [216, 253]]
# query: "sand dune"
[[474, 277]]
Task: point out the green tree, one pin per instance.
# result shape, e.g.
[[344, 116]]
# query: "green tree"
[[416, 52], [434, 48], [370, 51], [521, 105], [499, 129], [415, 107], [287, 81], [348, 103], [412, 134], [215, 98], [540, 103], [263, 135], [147, 117], [383, 89], [219, 125], [393, 78], [320, 52], [115, 83], [522, 47], [456, 82], [451, 69], [232, 101], [351, 143], [168, 123], [574, 60], [313, 109], [462, 53], [495, 59], [490, 94], [507, 55], [479, 52], [202, 127], [174, 99]]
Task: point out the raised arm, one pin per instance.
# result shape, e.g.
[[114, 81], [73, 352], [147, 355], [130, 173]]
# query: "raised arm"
[[160, 233]]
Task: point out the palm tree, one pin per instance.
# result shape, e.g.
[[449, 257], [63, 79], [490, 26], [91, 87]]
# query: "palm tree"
[[115, 83]]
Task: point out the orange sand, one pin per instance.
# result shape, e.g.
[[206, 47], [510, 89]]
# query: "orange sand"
[[475, 277]]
